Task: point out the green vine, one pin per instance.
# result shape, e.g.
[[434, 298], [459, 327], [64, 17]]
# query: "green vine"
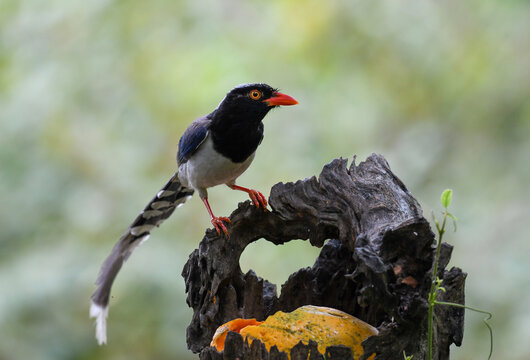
[[436, 286]]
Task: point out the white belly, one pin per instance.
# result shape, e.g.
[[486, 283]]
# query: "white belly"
[[207, 168]]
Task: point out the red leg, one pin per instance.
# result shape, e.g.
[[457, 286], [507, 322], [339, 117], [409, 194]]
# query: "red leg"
[[256, 197], [217, 222]]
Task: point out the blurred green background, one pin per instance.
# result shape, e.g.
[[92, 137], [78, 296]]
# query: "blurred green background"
[[95, 94]]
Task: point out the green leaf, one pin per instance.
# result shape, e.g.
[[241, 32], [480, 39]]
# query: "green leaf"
[[446, 198], [405, 357]]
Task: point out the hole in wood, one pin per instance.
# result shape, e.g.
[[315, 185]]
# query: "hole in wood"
[[275, 263]]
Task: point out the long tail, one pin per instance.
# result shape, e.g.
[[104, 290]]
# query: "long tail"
[[171, 196]]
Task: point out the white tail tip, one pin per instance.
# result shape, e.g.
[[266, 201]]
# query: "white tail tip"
[[100, 314]]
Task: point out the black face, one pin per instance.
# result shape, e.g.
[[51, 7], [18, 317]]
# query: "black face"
[[236, 127], [248, 101]]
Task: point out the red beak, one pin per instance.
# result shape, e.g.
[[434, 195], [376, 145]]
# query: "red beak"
[[280, 99]]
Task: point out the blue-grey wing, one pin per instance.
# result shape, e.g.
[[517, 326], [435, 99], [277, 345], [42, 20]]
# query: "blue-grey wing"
[[192, 138]]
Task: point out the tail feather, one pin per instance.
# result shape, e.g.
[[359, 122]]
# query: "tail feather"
[[171, 196], [100, 314]]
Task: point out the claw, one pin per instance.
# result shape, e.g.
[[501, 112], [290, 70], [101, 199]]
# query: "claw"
[[258, 199], [252, 196], [218, 223]]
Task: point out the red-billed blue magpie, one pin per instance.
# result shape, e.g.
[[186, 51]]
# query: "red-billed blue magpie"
[[215, 149]]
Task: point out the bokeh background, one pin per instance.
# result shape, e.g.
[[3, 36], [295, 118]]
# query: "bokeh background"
[[95, 94]]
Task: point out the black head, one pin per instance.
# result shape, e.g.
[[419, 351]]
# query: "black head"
[[252, 101], [236, 128]]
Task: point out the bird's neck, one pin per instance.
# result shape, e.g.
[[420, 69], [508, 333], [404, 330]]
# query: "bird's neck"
[[235, 135]]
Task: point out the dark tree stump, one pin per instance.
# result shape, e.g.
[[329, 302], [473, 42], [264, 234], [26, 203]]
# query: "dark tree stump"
[[375, 266]]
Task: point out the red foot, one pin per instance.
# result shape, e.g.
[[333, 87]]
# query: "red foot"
[[258, 199], [218, 222]]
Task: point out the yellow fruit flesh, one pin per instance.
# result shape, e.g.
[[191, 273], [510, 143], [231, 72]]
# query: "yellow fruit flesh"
[[324, 325]]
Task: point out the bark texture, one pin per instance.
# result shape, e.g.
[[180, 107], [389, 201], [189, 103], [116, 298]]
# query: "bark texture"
[[375, 265]]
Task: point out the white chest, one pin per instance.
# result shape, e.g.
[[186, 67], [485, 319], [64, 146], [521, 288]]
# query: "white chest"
[[207, 168]]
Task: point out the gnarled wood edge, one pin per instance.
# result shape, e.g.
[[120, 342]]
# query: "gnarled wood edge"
[[376, 268]]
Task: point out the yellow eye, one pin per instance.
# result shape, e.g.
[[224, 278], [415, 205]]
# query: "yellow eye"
[[255, 94]]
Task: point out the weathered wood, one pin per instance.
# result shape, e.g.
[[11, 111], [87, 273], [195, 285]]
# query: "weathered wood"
[[375, 265]]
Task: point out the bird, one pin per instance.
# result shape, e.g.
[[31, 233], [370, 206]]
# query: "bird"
[[215, 149]]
